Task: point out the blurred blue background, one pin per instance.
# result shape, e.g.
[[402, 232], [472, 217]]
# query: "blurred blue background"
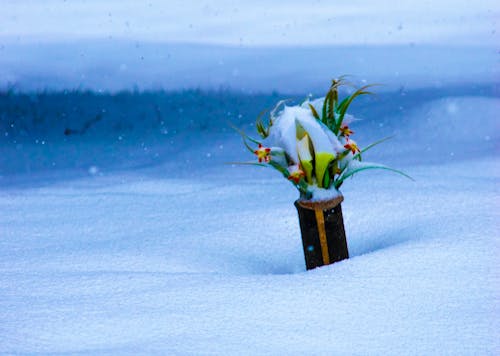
[[118, 83]]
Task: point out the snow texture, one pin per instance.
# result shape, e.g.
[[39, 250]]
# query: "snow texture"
[[320, 194], [283, 132], [252, 23], [116, 64], [193, 256], [126, 229]]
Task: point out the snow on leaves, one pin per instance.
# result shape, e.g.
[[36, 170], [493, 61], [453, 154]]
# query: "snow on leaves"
[[313, 151]]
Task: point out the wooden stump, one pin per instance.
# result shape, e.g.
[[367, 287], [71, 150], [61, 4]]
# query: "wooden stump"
[[323, 234]]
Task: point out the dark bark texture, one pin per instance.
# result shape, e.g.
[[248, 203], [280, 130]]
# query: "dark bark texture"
[[323, 233]]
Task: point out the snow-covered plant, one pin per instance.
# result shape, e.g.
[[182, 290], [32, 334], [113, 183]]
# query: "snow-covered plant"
[[311, 144]]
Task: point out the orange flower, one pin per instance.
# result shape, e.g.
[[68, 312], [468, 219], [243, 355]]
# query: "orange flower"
[[263, 153], [346, 131], [296, 174], [351, 146]]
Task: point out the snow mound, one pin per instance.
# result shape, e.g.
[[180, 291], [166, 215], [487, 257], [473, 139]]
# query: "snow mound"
[[190, 255]]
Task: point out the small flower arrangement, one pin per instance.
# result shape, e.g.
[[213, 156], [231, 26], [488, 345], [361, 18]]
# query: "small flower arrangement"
[[311, 144]]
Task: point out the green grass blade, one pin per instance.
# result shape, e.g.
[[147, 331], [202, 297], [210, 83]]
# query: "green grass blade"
[[372, 145], [302, 186], [248, 164], [345, 105], [331, 106], [245, 137], [242, 133], [276, 107], [325, 109], [279, 168], [342, 104], [341, 179], [314, 112], [261, 127]]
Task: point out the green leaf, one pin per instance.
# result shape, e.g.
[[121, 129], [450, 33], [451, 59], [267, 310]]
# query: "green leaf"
[[325, 109], [245, 137], [305, 152], [372, 145], [242, 133], [248, 164], [304, 190], [261, 130], [276, 153], [331, 105], [322, 161], [314, 112], [260, 126], [276, 107], [332, 168], [279, 168], [342, 104], [345, 105], [307, 167], [326, 179], [341, 179], [302, 186]]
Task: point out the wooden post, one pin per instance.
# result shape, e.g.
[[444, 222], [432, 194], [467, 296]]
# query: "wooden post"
[[323, 233]]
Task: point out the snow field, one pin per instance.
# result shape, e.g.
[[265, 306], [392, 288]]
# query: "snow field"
[[127, 263]]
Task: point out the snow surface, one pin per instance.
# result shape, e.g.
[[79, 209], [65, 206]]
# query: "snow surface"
[[257, 22], [137, 237], [245, 45], [114, 65], [189, 255]]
